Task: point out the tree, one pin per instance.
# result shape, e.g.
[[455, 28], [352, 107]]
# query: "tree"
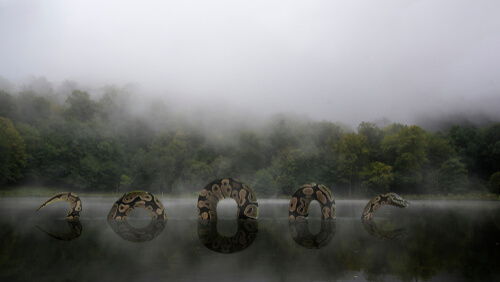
[[438, 149], [377, 177], [494, 183], [8, 106], [467, 144], [33, 108], [453, 177], [163, 163], [374, 136], [406, 151], [195, 175], [249, 157], [81, 106], [12, 152], [263, 183], [285, 169], [490, 149], [33, 143], [281, 137], [352, 152]]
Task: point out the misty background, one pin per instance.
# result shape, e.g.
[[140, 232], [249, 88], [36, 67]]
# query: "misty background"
[[341, 61], [362, 97]]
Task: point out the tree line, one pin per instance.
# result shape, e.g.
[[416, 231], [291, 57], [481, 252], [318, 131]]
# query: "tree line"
[[100, 143]]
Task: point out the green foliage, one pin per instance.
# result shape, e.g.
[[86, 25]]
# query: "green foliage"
[[263, 184], [285, 169], [249, 157], [378, 178], [125, 182], [12, 152], [81, 107], [33, 108], [453, 177], [490, 154], [494, 183], [32, 140], [405, 148], [8, 106], [352, 152], [467, 144], [119, 142]]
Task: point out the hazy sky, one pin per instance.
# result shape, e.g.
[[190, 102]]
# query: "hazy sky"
[[347, 61]]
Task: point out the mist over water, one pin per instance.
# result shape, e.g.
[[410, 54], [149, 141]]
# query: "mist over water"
[[430, 240]]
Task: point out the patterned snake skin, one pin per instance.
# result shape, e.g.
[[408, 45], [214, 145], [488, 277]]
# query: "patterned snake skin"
[[137, 199], [75, 209], [382, 200], [220, 189], [299, 204]]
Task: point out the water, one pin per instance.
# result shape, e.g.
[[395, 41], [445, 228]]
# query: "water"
[[436, 241]]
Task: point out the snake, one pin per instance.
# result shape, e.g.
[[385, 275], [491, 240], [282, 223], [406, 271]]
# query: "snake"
[[213, 240], [137, 199], [382, 200], [299, 204], [224, 188], [75, 209]]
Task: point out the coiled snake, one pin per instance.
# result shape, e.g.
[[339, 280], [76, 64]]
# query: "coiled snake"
[[299, 204], [246, 200], [220, 189], [137, 199]]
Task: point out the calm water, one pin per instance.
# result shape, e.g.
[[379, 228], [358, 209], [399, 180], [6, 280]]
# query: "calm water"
[[437, 241]]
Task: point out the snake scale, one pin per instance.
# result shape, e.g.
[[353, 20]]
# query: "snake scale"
[[220, 189], [382, 200], [247, 206], [299, 204], [75, 209], [137, 199]]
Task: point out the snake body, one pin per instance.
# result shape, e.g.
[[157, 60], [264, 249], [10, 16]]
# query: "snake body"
[[382, 200], [299, 204], [75, 209], [221, 189], [246, 200], [137, 199]]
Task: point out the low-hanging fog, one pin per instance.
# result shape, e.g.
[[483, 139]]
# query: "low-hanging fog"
[[342, 61]]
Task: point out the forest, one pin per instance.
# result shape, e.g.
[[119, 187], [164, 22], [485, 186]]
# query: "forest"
[[102, 142]]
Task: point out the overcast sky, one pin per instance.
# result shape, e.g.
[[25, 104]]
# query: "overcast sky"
[[347, 61]]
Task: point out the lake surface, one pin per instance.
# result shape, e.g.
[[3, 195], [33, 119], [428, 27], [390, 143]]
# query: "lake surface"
[[428, 241]]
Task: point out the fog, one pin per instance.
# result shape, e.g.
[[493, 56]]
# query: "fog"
[[341, 61]]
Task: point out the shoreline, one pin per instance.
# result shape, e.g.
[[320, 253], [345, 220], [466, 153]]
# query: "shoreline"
[[48, 192]]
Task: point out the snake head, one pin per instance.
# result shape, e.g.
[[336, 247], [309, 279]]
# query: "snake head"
[[398, 201]]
